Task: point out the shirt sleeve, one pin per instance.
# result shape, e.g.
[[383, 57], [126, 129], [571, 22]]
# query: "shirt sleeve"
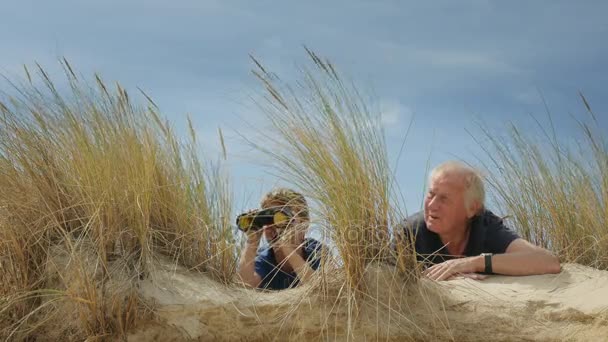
[[401, 233], [499, 237], [314, 250], [406, 235]]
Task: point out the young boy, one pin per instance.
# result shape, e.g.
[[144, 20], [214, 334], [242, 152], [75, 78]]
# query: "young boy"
[[290, 258]]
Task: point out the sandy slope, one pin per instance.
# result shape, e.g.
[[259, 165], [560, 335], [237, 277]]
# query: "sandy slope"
[[572, 305]]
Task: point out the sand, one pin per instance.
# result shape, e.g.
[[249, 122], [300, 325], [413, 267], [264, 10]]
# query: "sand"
[[572, 305]]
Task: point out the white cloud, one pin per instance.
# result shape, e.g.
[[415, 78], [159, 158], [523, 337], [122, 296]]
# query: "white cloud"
[[528, 96], [465, 59], [393, 113], [445, 58]]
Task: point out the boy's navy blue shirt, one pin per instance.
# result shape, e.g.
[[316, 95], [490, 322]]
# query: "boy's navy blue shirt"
[[488, 235], [273, 277]]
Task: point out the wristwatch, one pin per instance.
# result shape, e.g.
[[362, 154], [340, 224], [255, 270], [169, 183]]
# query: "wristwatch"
[[487, 257]]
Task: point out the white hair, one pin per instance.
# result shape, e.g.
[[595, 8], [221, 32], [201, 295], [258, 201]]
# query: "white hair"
[[472, 180]]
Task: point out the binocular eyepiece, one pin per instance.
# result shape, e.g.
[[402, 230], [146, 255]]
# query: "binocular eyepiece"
[[255, 220]]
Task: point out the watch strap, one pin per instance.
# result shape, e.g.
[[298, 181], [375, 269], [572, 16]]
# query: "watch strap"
[[488, 262]]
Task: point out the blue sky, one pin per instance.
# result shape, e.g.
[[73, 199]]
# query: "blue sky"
[[442, 63]]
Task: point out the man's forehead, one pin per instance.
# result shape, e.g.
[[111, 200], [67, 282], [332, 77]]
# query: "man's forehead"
[[448, 179]]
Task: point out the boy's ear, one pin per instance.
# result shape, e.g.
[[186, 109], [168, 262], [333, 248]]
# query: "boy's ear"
[[301, 234]]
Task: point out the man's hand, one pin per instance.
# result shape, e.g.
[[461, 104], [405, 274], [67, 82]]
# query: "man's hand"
[[466, 267]]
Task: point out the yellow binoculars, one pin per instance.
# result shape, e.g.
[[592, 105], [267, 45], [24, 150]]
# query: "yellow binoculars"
[[257, 219]]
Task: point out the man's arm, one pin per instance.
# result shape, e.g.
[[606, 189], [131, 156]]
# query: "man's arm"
[[521, 258]]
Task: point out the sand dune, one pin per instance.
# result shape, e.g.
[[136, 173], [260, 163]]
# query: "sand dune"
[[572, 305]]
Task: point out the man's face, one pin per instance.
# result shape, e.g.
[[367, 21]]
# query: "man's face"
[[444, 204]]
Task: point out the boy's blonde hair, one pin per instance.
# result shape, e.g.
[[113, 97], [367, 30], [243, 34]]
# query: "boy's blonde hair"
[[286, 197]]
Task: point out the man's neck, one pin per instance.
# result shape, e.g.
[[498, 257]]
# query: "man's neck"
[[456, 243]]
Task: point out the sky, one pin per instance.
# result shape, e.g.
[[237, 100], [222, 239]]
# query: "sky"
[[443, 64]]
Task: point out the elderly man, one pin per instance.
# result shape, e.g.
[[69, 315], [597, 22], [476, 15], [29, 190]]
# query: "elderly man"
[[456, 235]]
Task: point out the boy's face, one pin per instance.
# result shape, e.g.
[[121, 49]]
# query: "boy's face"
[[296, 227]]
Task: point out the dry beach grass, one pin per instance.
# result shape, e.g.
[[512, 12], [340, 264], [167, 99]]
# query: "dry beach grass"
[[112, 228]]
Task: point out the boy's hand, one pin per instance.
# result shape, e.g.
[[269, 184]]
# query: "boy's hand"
[[254, 237], [284, 240]]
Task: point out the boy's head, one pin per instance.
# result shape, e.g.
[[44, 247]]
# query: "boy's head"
[[284, 197]]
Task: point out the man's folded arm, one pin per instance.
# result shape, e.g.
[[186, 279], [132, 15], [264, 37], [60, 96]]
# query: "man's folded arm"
[[522, 258]]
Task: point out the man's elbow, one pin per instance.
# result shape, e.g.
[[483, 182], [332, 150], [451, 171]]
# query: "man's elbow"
[[556, 266], [553, 266]]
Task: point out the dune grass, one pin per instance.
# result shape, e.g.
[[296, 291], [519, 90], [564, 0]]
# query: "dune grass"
[[95, 187], [555, 188], [91, 177], [323, 138]]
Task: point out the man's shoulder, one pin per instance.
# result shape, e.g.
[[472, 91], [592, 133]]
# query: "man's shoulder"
[[492, 234], [488, 219], [414, 222]]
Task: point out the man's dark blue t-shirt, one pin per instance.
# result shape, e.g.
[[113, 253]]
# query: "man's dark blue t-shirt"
[[488, 235], [273, 277]]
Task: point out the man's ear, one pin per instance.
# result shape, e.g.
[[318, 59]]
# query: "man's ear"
[[473, 208]]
